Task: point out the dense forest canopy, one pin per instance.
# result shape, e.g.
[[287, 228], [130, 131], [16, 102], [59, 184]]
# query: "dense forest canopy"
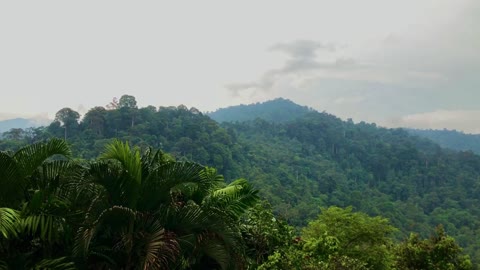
[[309, 161]]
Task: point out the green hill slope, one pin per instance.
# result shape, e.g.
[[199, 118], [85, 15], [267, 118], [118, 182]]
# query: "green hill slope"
[[305, 163]]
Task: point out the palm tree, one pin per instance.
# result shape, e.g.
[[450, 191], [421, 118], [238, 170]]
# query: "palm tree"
[[35, 206], [151, 212]]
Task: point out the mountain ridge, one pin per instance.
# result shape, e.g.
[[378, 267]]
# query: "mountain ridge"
[[453, 139], [281, 110], [276, 110], [23, 123]]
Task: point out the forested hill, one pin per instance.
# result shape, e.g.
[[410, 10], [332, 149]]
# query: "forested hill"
[[300, 165], [278, 110], [451, 139], [23, 123]]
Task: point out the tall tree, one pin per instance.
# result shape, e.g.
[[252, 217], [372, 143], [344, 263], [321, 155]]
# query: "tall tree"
[[127, 101], [94, 119], [128, 104], [68, 118]]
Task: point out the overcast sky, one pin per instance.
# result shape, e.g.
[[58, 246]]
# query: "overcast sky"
[[408, 63]]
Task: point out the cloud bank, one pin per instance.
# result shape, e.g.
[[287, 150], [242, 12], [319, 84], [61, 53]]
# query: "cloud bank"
[[465, 120]]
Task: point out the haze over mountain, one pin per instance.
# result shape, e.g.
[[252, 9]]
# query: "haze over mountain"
[[23, 123], [452, 139]]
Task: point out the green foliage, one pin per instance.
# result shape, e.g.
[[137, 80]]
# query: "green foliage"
[[191, 215], [32, 182], [439, 252], [127, 101], [67, 117], [298, 160], [55, 264], [338, 239], [126, 210], [8, 219], [264, 233], [343, 233]]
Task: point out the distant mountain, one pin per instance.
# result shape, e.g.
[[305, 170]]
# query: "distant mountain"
[[279, 110], [22, 123], [452, 139]]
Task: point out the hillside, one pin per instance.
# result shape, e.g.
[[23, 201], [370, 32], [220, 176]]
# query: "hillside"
[[451, 139], [278, 110], [315, 160], [22, 123]]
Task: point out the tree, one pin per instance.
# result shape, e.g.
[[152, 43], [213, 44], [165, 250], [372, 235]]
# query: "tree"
[[33, 181], [113, 105], [14, 134], [128, 104], [94, 119], [264, 233], [127, 101], [439, 252], [68, 118], [359, 237]]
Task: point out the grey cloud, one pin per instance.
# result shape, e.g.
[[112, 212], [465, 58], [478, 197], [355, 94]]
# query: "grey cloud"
[[302, 49], [302, 60], [296, 65], [266, 82], [427, 77]]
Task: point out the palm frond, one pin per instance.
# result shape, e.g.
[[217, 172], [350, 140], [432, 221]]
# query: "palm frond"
[[115, 218], [41, 225], [129, 158], [30, 157], [236, 198], [109, 176], [152, 159], [50, 173], [9, 222], [3, 265], [131, 168], [167, 180], [160, 246], [215, 249], [62, 263], [11, 180]]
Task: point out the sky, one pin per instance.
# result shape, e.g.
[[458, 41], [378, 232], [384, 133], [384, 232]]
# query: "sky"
[[409, 63]]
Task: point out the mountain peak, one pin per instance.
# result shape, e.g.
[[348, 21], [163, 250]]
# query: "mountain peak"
[[277, 110]]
